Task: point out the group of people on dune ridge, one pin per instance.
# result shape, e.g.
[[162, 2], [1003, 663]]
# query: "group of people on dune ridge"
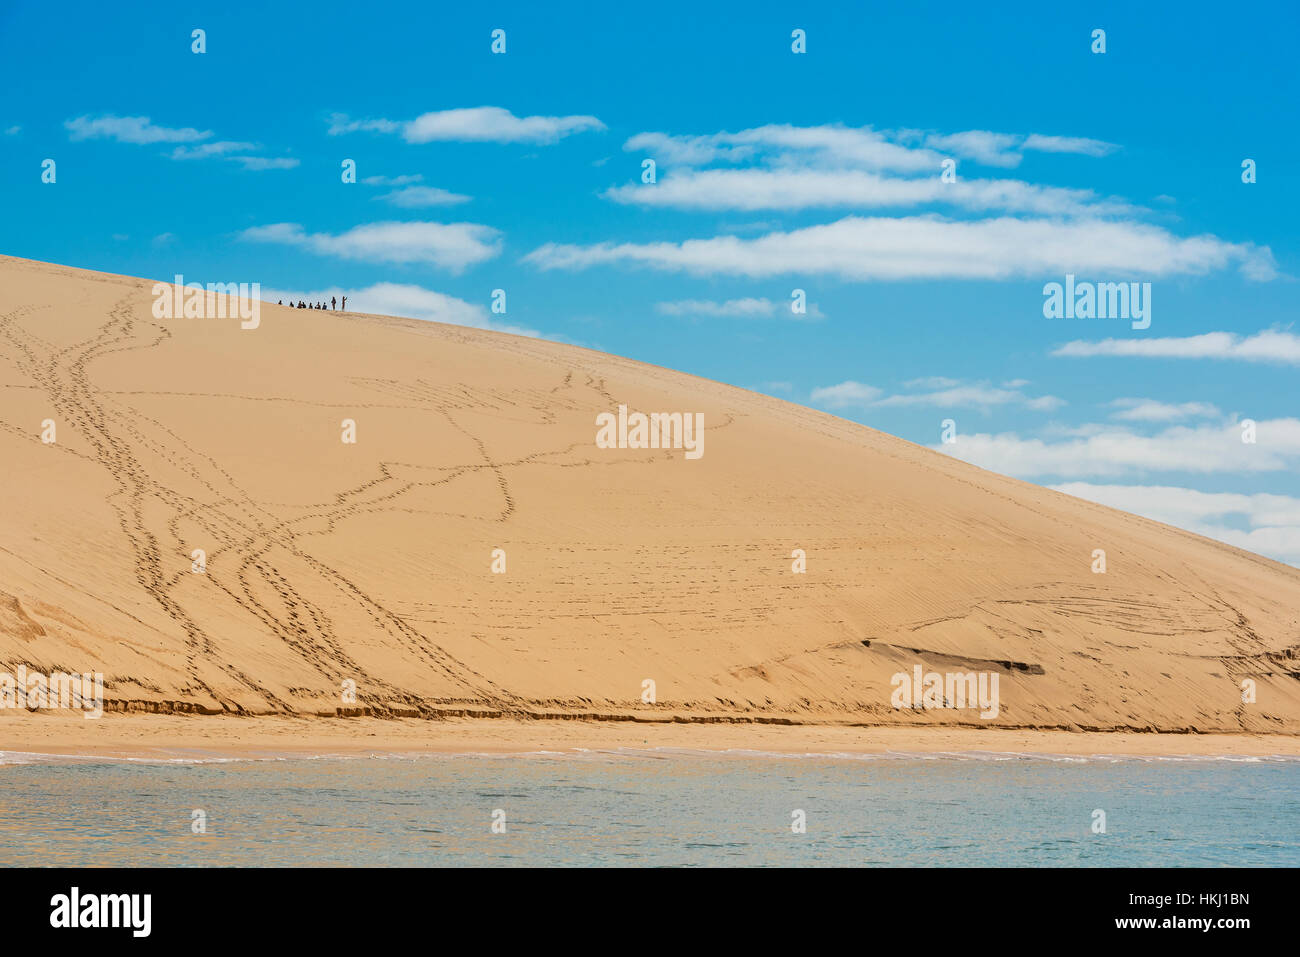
[[334, 304]]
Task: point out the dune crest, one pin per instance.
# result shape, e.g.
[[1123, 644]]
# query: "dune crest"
[[476, 552]]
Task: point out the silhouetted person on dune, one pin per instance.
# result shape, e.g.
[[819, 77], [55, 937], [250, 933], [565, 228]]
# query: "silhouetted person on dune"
[[334, 303], [345, 303]]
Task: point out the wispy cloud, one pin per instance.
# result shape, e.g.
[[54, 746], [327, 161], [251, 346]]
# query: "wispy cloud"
[[1036, 230], [1268, 346], [747, 308], [929, 247], [939, 382], [1068, 144], [1273, 521], [453, 246], [974, 396], [939, 392], [910, 151], [846, 395], [792, 189], [139, 130], [982, 146], [1152, 410], [1111, 450], [484, 124], [265, 162], [855, 147], [404, 180], [1008, 149], [206, 150], [415, 197]]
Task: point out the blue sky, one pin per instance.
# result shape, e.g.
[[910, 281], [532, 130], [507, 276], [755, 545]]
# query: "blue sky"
[[819, 171]]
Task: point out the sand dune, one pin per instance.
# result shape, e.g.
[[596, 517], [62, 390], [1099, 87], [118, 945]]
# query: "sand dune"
[[372, 562]]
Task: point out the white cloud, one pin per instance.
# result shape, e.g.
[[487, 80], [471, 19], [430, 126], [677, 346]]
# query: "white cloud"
[[845, 395], [1184, 505], [704, 307], [747, 308], [1115, 450], [1268, 346], [485, 124], [141, 131], [973, 396], [1068, 144], [1007, 149], [943, 393], [932, 382], [13, 131], [265, 162], [130, 129], [493, 124], [400, 299], [413, 197], [754, 189], [404, 180], [862, 147], [341, 123], [688, 150], [453, 246], [921, 247], [1152, 410], [205, 150], [990, 149], [1273, 520]]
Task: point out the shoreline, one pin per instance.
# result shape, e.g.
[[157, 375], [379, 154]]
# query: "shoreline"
[[171, 738]]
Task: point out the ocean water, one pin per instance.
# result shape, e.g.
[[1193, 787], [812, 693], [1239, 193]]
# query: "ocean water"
[[651, 807]]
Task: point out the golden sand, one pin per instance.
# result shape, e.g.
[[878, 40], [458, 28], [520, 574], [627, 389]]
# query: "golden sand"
[[372, 562]]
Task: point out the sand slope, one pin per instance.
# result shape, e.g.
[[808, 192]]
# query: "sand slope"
[[371, 562]]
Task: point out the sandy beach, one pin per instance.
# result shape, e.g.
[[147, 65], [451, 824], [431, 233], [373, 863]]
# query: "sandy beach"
[[167, 737]]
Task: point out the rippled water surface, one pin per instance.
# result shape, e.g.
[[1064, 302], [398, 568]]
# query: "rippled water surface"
[[651, 808]]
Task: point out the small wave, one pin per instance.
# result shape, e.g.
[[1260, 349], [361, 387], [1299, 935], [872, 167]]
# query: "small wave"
[[18, 758]]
